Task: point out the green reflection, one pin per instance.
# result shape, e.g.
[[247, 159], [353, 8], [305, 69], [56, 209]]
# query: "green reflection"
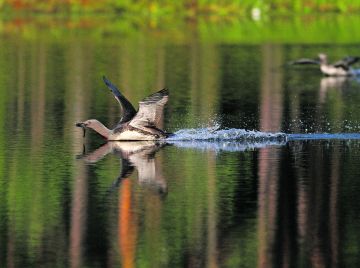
[[254, 208]]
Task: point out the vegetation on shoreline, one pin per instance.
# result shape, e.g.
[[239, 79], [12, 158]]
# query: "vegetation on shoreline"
[[186, 8], [308, 29]]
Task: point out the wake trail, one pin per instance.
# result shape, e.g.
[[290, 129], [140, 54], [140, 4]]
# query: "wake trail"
[[324, 136], [240, 139]]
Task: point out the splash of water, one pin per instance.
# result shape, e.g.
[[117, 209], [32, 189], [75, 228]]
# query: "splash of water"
[[356, 72], [230, 140], [232, 134]]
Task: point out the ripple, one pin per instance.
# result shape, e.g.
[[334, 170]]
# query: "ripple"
[[324, 136]]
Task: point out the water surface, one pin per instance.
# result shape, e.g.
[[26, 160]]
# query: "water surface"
[[69, 201]]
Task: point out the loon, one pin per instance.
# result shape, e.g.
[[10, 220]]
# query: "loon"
[[339, 68], [143, 124]]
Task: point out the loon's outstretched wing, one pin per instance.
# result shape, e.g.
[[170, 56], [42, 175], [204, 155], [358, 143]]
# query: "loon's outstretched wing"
[[304, 62], [151, 111], [127, 109], [346, 62]]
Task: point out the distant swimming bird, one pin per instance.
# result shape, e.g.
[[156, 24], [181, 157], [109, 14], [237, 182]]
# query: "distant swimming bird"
[[141, 125], [339, 68]]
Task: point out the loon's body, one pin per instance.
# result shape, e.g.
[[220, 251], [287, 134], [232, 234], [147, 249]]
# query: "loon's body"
[[339, 68], [128, 132], [331, 70], [144, 124]]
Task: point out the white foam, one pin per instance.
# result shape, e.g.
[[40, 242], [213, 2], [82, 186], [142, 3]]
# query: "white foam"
[[233, 134], [355, 72], [230, 140]]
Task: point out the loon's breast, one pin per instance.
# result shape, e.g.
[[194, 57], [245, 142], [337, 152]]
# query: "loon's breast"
[[131, 135], [333, 71], [134, 134]]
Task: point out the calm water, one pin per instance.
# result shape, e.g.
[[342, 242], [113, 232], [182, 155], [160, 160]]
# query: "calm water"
[[69, 201]]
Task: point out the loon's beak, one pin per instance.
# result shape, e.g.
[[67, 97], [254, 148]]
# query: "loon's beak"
[[83, 126]]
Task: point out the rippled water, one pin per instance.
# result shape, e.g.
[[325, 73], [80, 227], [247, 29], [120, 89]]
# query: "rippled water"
[[263, 169]]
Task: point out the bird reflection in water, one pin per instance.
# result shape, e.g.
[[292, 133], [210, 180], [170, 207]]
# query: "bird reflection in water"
[[333, 82], [138, 155]]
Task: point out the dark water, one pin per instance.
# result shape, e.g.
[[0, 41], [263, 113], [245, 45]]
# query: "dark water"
[[66, 201]]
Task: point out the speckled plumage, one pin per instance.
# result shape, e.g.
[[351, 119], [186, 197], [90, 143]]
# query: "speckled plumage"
[[145, 124]]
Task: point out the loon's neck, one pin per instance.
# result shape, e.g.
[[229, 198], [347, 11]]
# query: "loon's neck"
[[101, 129]]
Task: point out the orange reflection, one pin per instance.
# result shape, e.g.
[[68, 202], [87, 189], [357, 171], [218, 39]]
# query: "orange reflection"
[[127, 225]]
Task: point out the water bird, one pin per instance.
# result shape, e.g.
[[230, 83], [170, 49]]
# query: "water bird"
[[143, 124], [339, 68]]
